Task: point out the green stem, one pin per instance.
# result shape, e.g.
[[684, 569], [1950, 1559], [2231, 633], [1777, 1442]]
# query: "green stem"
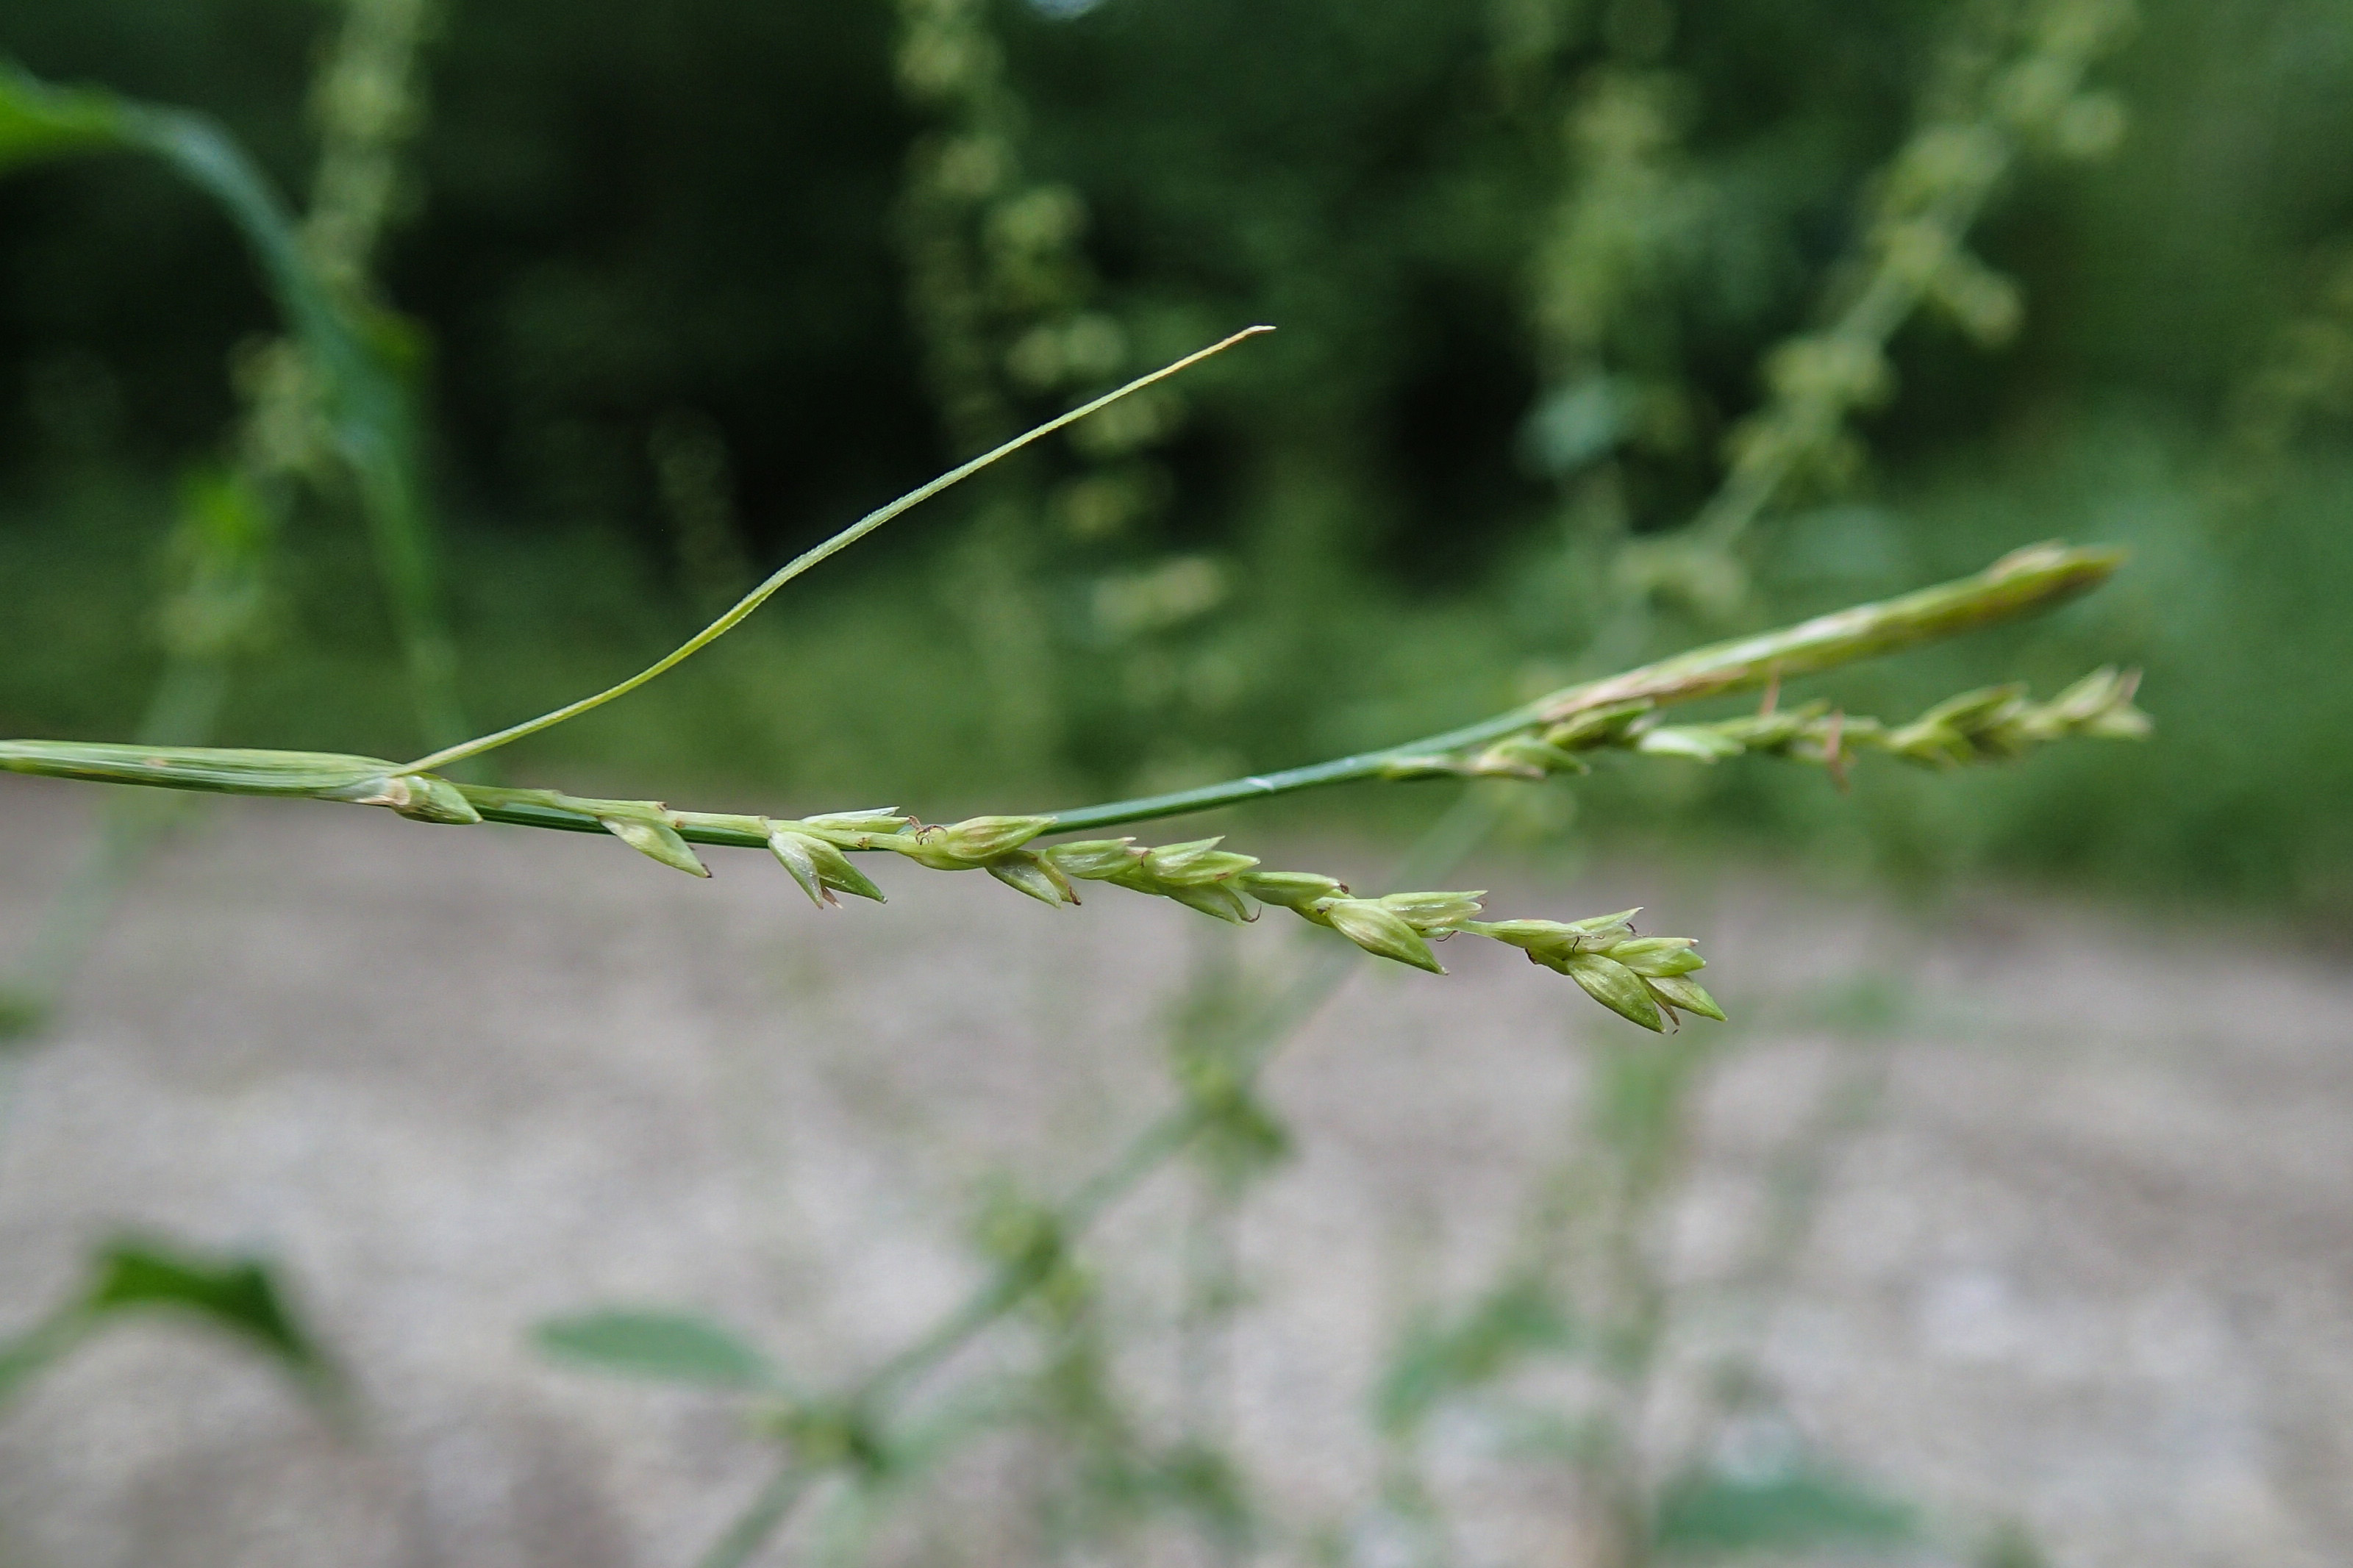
[[1169, 1135], [759, 1521], [802, 562]]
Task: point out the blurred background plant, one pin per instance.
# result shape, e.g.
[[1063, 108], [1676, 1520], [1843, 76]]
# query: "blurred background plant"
[[326, 409]]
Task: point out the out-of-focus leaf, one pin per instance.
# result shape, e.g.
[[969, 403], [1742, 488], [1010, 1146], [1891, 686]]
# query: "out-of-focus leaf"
[[2011, 1546], [236, 1294], [1204, 1484], [1574, 426], [22, 1016], [674, 1347], [35, 1349], [39, 121], [1711, 1514]]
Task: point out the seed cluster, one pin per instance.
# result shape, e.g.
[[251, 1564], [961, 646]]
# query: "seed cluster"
[[1643, 979]]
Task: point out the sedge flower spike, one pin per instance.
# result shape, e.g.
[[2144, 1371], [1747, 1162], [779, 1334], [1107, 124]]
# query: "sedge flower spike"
[[1647, 979]]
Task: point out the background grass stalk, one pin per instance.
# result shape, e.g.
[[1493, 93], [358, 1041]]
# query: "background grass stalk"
[[808, 558], [231, 521], [368, 410]]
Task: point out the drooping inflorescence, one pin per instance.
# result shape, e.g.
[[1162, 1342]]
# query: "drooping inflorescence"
[[1644, 979], [1200, 875]]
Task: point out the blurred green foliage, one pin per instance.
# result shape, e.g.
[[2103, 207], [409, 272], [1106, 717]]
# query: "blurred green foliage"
[[658, 253], [132, 1276], [1705, 1515], [668, 1345]]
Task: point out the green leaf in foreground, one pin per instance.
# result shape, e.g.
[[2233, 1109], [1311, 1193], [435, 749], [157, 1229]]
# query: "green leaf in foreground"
[[672, 1347]]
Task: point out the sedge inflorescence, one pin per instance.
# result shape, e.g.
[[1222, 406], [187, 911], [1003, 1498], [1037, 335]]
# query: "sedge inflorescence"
[[1645, 980]]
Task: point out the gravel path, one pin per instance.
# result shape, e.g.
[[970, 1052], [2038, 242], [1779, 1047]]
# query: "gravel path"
[[2088, 1265]]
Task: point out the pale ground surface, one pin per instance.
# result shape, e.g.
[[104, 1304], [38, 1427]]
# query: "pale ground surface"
[[2090, 1263]]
